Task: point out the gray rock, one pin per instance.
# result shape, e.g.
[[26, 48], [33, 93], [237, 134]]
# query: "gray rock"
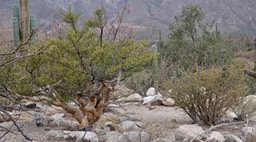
[[134, 98], [113, 136], [216, 136], [57, 118], [249, 130], [232, 138], [190, 130], [135, 136], [39, 119], [89, 136], [129, 126], [78, 136]]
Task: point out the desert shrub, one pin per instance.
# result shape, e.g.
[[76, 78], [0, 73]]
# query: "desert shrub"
[[246, 107], [82, 54], [204, 93], [193, 42], [139, 82]]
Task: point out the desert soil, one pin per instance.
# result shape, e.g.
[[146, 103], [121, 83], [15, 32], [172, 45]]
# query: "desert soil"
[[159, 122]]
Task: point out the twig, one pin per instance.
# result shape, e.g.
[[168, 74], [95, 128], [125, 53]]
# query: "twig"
[[217, 126], [22, 44], [16, 125], [40, 51]]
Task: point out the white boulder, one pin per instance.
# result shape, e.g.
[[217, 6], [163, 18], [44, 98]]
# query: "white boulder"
[[151, 91]]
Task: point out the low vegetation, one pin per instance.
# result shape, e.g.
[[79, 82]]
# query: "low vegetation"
[[198, 66], [207, 93]]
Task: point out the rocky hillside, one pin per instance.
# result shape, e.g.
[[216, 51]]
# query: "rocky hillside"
[[232, 16]]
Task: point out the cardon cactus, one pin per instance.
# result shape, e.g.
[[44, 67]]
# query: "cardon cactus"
[[16, 32], [155, 66], [22, 26], [16, 26], [24, 20]]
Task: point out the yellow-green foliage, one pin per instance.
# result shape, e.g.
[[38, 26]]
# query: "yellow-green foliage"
[[204, 93], [79, 53]]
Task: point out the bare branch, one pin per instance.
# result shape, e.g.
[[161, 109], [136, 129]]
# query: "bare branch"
[[21, 45], [40, 51], [16, 125]]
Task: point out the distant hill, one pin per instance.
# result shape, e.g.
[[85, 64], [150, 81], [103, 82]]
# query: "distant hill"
[[232, 16]]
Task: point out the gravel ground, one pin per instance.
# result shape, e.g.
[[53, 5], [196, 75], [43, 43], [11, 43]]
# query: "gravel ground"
[[157, 122]]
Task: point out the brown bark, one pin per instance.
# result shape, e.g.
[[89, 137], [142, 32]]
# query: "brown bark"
[[86, 113]]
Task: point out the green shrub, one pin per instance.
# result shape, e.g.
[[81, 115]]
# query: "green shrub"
[[83, 53], [204, 93], [193, 43]]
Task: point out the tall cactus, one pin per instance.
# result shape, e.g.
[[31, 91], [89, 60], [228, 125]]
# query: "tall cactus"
[[24, 20], [155, 66], [16, 26], [22, 26]]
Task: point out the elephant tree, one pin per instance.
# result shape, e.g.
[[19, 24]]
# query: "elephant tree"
[[79, 56]]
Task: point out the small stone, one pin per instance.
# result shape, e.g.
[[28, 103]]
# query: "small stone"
[[168, 102], [151, 91], [134, 98], [215, 135], [135, 136]]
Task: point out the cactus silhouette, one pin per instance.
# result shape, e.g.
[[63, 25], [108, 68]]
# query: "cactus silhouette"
[[16, 26], [22, 25], [155, 66]]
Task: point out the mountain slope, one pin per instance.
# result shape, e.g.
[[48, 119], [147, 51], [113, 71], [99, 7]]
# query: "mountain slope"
[[232, 16]]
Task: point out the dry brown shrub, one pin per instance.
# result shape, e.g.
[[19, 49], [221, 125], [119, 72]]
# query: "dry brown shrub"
[[204, 93]]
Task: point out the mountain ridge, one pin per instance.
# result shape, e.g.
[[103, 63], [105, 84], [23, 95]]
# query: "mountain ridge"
[[232, 16]]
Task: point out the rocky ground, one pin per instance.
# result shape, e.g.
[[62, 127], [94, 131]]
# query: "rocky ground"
[[123, 121]]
